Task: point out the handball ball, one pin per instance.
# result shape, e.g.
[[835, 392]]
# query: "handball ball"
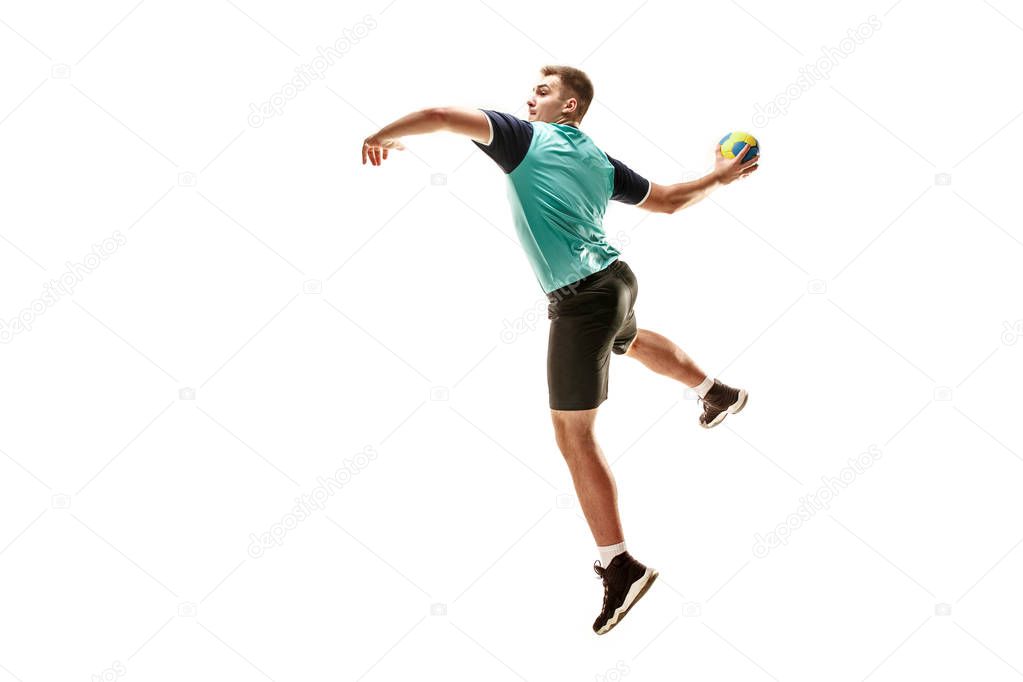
[[732, 144]]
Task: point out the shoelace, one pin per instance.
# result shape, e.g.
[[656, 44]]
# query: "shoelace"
[[705, 403], [602, 574]]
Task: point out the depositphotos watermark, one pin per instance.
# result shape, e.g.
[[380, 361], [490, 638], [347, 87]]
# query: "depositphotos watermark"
[[63, 286], [313, 71], [116, 671], [1012, 332], [315, 500], [810, 74], [615, 673], [814, 502]]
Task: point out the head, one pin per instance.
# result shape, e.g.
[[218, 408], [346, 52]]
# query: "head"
[[562, 95]]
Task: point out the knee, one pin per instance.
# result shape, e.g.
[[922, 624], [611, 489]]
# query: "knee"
[[573, 441], [576, 450]]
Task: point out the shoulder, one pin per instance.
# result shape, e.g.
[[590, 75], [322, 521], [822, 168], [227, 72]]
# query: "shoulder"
[[504, 124], [509, 140]]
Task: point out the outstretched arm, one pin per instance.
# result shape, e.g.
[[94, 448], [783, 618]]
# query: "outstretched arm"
[[671, 198], [469, 122]]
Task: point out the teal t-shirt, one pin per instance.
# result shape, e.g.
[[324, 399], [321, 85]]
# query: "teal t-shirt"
[[559, 183]]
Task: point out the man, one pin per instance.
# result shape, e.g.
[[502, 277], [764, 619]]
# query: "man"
[[559, 183]]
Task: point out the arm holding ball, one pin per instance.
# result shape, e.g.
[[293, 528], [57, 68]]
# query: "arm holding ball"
[[729, 166]]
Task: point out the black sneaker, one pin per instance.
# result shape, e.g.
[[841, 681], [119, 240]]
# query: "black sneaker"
[[721, 400], [625, 581]]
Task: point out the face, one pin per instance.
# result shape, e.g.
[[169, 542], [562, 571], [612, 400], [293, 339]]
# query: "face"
[[545, 104]]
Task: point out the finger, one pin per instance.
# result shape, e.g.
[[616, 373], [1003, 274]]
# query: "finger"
[[376, 155], [742, 152], [753, 160], [749, 170], [364, 154], [385, 152]]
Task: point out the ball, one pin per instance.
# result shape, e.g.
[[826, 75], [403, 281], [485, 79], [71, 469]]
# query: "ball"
[[732, 144]]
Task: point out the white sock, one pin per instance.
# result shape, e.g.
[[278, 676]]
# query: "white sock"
[[704, 386], [610, 552]]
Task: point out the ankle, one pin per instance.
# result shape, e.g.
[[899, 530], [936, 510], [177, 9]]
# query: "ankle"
[[704, 386], [609, 552]]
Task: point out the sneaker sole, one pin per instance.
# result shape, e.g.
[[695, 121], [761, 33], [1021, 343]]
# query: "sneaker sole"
[[636, 592], [734, 408]]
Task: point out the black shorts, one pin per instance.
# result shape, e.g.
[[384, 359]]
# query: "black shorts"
[[590, 319]]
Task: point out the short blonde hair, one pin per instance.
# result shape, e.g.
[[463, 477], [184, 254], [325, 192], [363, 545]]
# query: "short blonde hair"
[[574, 83]]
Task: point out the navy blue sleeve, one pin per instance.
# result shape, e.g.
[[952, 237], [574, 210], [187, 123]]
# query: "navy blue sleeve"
[[510, 140], [630, 187]]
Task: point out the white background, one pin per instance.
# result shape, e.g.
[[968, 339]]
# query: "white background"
[[862, 300]]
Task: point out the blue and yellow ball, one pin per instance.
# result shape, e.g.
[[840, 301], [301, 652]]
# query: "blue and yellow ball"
[[732, 144]]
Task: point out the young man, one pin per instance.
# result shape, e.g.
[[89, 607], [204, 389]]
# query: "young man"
[[559, 186]]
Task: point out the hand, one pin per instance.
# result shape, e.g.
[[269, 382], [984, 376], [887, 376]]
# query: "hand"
[[729, 170], [375, 148]]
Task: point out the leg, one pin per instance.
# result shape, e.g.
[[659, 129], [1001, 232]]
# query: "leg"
[[661, 355], [625, 579], [586, 328], [664, 357], [594, 483]]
